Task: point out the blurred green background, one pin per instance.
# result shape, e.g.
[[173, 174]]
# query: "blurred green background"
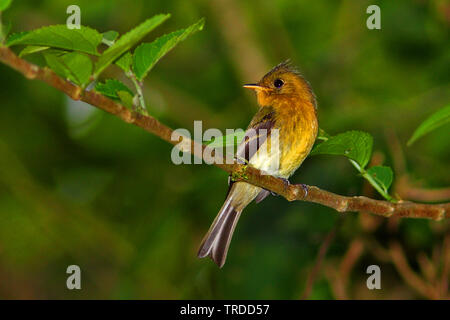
[[78, 186]]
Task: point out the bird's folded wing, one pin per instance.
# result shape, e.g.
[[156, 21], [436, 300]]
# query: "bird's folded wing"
[[257, 133]]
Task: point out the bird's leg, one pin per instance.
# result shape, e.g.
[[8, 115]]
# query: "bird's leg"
[[305, 189], [286, 184]]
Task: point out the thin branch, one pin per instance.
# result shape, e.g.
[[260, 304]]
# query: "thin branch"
[[411, 278], [239, 172], [427, 268], [319, 259], [354, 252]]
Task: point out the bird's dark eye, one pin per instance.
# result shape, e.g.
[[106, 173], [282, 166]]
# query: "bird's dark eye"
[[278, 83]]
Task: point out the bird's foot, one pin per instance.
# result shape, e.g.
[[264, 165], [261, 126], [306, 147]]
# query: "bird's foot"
[[305, 189], [286, 185]]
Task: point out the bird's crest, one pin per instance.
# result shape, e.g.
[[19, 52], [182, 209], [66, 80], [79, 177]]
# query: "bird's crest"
[[285, 66]]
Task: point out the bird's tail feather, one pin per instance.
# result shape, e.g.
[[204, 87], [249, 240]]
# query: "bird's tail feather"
[[216, 242]]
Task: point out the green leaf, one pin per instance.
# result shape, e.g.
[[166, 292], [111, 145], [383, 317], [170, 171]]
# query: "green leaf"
[[228, 140], [125, 61], [4, 4], [382, 175], [148, 54], [84, 40], [32, 49], [127, 41], [74, 66], [110, 37], [16, 36], [437, 119], [126, 98], [355, 145], [111, 87]]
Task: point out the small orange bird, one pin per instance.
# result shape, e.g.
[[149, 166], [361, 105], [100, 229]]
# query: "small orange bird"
[[287, 108]]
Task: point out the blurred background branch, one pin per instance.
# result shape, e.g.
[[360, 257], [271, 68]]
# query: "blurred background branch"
[[138, 231]]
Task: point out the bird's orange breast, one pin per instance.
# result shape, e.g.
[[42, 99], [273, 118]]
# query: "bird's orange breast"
[[298, 125]]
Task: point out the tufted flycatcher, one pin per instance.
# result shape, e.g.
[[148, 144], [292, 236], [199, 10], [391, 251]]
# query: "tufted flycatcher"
[[288, 107]]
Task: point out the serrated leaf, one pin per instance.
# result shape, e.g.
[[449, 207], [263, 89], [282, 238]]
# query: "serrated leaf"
[[74, 66], [382, 175], [355, 145], [126, 98], [32, 49], [125, 61], [127, 41], [16, 36], [227, 140], [109, 37], [59, 36], [437, 119], [148, 54], [4, 4], [111, 87]]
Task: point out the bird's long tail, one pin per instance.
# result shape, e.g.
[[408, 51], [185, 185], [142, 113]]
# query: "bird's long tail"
[[216, 242]]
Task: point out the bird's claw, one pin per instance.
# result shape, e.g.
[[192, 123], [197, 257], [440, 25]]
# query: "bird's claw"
[[305, 189], [286, 184]]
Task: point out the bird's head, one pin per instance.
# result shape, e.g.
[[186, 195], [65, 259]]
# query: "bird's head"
[[281, 83]]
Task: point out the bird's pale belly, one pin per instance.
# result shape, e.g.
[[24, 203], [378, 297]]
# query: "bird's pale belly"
[[295, 152]]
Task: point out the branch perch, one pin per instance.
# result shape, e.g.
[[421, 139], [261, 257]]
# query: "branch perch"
[[239, 172]]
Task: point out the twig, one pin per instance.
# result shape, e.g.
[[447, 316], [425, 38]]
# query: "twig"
[[410, 277], [406, 190], [320, 256], [338, 277], [239, 172], [354, 252], [371, 180], [426, 267]]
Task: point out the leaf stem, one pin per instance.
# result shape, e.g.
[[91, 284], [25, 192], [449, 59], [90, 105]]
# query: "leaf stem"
[[142, 107], [325, 136], [372, 181]]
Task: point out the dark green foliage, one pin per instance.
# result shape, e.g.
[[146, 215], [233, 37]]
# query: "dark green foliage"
[[437, 119], [148, 54], [84, 40], [354, 145], [79, 186], [128, 41]]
